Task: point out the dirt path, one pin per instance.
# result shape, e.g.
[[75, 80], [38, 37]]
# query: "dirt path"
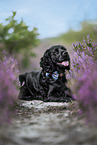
[[39, 123]]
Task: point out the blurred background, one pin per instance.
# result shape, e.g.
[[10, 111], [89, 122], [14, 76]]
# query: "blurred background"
[[28, 28]]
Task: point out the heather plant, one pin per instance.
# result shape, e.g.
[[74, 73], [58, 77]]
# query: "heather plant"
[[8, 88], [83, 77]]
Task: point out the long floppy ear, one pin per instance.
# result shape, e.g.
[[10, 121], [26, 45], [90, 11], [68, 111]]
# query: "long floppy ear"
[[46, 62]]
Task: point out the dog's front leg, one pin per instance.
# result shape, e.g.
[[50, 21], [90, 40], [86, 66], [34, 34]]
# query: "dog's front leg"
[[53, 94], [49, 94]]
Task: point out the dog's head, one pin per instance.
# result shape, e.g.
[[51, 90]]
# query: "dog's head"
[[57, 55]]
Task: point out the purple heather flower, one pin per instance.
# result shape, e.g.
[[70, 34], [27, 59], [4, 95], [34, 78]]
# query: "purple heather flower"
[[88, 36], [83, 74], [84, 41], [8, 88]]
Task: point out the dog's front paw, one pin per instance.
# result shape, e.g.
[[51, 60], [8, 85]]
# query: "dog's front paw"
[[69, 95]]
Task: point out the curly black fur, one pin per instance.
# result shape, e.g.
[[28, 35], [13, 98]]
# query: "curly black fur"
[[50, 83]]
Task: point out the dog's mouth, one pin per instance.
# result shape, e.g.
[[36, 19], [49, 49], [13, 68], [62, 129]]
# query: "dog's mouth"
[[64, 63]]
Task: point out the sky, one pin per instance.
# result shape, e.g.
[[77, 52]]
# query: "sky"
[[51, 17]]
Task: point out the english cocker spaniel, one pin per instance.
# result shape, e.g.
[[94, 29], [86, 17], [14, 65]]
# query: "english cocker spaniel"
[[49, 84]]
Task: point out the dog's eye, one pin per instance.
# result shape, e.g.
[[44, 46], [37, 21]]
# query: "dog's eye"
[[64, 53], [56, 51]]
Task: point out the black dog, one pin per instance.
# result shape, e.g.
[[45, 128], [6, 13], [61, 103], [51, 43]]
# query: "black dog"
[[49, 84]]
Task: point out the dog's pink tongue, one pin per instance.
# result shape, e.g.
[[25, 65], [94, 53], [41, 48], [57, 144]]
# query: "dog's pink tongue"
[[65, 63]]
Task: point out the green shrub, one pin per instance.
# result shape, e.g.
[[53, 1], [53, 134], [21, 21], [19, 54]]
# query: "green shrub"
[[15, 37]]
